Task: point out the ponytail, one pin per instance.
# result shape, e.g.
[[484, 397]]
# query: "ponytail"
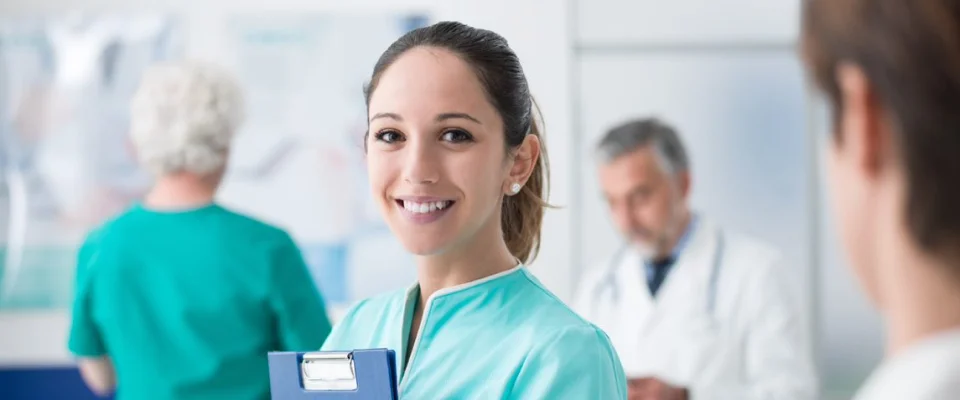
[[522, 214]]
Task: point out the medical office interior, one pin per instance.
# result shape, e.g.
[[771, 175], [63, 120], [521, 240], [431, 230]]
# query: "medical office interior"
[[725, 73]]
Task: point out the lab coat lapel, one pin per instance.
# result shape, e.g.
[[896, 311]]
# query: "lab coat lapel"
[[633, 311], [633, 287], [687, 284]]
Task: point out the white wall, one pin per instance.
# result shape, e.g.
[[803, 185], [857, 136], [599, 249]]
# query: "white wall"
[[618, 22]]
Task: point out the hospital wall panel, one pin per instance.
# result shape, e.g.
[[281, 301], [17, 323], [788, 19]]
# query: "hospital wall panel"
[[680, 22]]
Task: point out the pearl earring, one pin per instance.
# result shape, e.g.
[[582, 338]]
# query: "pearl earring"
[[515, 188]]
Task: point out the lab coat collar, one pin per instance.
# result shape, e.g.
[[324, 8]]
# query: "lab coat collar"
[[688, 277], [697, 255], [700, 236], [678, 248], [685, 238], [927, 370], [632, 284]]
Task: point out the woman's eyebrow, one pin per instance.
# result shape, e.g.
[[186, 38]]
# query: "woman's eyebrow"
[[387, 115], [440, 117], [446, 116]]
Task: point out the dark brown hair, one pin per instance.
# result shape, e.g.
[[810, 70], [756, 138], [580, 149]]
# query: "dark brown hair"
[[909, 51], [505, 85]]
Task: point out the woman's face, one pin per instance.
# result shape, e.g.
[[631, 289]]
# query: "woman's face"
[[436, 153]]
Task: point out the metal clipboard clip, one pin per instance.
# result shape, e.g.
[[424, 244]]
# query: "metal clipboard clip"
[[328, 371]]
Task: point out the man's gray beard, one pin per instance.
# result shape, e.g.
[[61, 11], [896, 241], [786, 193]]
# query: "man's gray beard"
[[646, 250]]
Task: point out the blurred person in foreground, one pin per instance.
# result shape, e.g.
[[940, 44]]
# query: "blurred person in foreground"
[[891, 71], [179, 297]]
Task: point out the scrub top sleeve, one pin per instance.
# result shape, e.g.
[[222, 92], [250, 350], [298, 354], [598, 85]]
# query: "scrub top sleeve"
[[577, 363], [85, 339], [301, 315]]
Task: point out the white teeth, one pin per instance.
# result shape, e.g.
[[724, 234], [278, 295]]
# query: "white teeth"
[[423, 208]]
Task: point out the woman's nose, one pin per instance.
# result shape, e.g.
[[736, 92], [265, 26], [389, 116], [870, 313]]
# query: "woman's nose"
[[421, 164]]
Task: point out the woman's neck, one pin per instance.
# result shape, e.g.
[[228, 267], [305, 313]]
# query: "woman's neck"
[[181, 191], [485, 255]]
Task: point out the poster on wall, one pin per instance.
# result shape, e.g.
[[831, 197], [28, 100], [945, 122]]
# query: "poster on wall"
[[298, 162], [65, 84]]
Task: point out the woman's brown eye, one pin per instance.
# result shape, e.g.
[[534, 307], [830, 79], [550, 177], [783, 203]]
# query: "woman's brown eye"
[[388, 136], [457, 136]]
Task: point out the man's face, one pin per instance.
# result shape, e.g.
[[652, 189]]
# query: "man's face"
[[647, 203]]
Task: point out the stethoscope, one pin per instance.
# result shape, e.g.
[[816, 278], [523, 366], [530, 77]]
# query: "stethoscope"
[[609, 280]]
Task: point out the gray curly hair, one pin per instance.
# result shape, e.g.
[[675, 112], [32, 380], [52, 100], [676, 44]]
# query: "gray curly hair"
[[184, 116]]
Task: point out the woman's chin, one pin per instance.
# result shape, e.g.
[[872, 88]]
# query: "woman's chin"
[[423, 249], [422, 241]]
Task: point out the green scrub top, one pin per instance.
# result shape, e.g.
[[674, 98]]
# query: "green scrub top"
[[502, 337], [187, 304]]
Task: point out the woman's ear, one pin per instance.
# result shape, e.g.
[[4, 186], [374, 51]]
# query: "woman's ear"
[[523, 163]]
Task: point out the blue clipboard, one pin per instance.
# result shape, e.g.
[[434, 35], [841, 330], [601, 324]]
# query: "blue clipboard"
[[358, 374]]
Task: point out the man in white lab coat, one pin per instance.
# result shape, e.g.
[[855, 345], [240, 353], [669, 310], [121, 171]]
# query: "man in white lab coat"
[[694, 311]]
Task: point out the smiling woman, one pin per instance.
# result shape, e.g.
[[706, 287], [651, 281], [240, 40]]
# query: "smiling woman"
[[457, 167]]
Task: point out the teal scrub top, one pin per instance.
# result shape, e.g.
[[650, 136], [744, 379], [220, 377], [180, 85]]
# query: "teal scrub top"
[[187, 304], [503, 337]]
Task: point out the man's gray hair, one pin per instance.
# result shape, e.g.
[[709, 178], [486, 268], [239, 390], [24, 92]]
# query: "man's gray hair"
[[639, 133]]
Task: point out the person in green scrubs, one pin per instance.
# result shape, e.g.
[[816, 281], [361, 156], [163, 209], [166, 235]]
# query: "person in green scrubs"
[[457, 165], [179, 297]]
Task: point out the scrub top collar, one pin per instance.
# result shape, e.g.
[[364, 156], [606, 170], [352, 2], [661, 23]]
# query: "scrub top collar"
[[413, 294], [414, 290]]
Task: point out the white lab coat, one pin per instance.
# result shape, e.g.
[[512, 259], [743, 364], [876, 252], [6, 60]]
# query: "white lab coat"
[[752, 346], [928, 370]]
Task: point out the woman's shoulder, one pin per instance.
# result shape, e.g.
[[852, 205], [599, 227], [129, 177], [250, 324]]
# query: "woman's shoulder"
[[550, 311], [576, 360], [554, 324], [378, 306], [368, 322], [117, 227], [242, 223], [586, 337]]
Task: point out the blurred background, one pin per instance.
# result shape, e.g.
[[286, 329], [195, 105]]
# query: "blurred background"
[[724, 72]]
